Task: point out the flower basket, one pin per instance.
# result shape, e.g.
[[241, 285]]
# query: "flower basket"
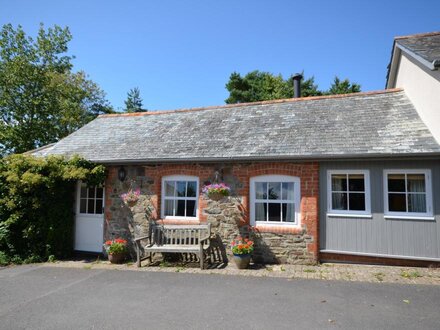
[[131, 197], [215, 196], [131, 203], [216, 191]]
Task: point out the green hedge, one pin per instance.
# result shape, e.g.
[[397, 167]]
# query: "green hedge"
[[36, 205]]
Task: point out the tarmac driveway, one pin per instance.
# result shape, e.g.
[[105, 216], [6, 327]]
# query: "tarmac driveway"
[[35, 297]]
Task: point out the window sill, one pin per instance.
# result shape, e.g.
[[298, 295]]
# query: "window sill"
[[349, 215], [278, 228], [409, 217]]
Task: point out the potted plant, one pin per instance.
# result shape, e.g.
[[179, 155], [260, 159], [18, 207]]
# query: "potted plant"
[[242, 250], [130, 198], [116, 250], [216, 191]]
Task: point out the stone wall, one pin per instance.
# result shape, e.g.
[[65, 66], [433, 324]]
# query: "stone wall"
[[229, 217]]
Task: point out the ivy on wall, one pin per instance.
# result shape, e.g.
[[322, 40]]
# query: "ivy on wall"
[[36, 205]]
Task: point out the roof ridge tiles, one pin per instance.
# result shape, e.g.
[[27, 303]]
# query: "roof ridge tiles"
[[418, 35], [309, 98]]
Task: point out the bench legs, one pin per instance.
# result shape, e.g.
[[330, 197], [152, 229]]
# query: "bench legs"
[[202, 257]]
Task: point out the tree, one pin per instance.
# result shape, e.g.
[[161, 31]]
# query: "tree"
[[343, 87], [262, 86], [133, 103], [41, 99]]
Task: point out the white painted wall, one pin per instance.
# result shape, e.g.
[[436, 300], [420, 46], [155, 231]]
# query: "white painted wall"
[[422, 86]]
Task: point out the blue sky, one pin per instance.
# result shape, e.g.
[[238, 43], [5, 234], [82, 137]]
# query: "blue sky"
[[181, 53]]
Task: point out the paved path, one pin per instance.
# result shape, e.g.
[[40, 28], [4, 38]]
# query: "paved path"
[[42, 297], [327, 271]]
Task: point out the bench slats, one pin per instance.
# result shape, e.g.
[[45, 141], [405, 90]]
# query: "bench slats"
[[177, 239]]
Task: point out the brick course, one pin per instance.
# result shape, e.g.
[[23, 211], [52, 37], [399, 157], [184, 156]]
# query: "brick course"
[[230, 216]]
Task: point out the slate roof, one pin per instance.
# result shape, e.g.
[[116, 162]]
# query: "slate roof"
[[427, 46], [371, 124]]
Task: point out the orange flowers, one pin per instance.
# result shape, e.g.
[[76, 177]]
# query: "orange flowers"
[[242, 246]]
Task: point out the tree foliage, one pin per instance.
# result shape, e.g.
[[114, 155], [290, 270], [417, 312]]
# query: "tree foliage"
[[41, 98], [36, 203], [133, 103], [262, 86], [343, 87]]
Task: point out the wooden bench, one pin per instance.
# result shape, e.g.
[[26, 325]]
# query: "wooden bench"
[[175, 239]]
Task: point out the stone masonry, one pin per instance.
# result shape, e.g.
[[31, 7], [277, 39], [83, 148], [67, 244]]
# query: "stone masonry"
[[229, 217]]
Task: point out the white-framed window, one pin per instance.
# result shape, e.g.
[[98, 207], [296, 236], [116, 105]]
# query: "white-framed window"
[[348, 192], [408, 193], [275, 199], [180, 195], [91, 199]]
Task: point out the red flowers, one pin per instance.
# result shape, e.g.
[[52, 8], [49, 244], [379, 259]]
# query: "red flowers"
[[118, 245], [242, 246]]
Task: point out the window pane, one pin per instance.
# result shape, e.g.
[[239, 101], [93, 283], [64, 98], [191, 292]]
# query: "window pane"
[[274, 212], [287, 191], [91, 192], [169, 207], [180, 209], [274, 190], [191, 190], [416, 182], [98, 206], [417, 203], [339, 201], [99, 192], [397, 202], [83, 192], [91, 206], [261, 190], [169, 188], [288, 212], [191, 208], [339, 182], [357, 201], [181, 188], [356, 182], [396, 182], [260, 211], [83, 206]]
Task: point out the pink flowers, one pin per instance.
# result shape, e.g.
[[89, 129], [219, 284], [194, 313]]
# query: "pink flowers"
[[131, 197], [219, 189]]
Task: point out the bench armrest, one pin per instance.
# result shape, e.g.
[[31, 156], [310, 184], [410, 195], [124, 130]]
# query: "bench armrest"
[[138, 239]]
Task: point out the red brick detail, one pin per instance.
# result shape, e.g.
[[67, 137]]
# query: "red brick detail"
[[308, 173], [325, 256]]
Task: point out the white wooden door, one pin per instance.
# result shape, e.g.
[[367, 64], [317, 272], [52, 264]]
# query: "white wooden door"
[[89, 219]]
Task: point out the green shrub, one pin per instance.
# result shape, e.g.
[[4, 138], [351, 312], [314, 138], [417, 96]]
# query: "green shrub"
[[4, 259], [36, 205]]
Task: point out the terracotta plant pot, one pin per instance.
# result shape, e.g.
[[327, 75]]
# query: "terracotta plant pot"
[[116, 258], [242, 260]]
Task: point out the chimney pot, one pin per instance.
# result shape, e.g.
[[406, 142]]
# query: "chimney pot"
[[297, 85]]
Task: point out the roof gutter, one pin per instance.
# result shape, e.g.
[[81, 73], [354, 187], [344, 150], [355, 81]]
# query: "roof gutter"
[[434, 65], [434, 155]]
